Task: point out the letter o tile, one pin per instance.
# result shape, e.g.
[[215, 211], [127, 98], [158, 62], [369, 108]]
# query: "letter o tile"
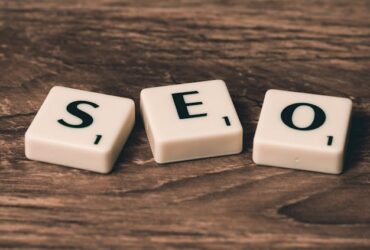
[[302, 131]]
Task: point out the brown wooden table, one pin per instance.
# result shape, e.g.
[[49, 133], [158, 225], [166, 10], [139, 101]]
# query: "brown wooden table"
[[120, 47]]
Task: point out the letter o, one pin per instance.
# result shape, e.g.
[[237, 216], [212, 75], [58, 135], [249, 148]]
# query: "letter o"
[[318, 121]]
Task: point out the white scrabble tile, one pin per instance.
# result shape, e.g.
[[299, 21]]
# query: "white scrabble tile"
[[80, 129], [302, 131], [190, 121]]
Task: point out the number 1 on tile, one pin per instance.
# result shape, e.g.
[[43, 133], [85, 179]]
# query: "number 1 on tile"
[[97, 140], [330, 140]]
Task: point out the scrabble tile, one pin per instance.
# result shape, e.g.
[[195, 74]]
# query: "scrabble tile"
[[302, 131], [190, 121], [80, 129]]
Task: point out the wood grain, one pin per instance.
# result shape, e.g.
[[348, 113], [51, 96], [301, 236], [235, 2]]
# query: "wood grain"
[[119, 47]]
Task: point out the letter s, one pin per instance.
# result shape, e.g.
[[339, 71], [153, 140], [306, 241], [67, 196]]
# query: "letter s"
[[86, 119]]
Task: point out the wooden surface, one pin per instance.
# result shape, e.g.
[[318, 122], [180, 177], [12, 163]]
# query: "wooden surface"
[[120, 47]]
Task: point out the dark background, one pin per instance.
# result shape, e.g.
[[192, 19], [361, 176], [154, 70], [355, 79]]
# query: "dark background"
[[121, 47]]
